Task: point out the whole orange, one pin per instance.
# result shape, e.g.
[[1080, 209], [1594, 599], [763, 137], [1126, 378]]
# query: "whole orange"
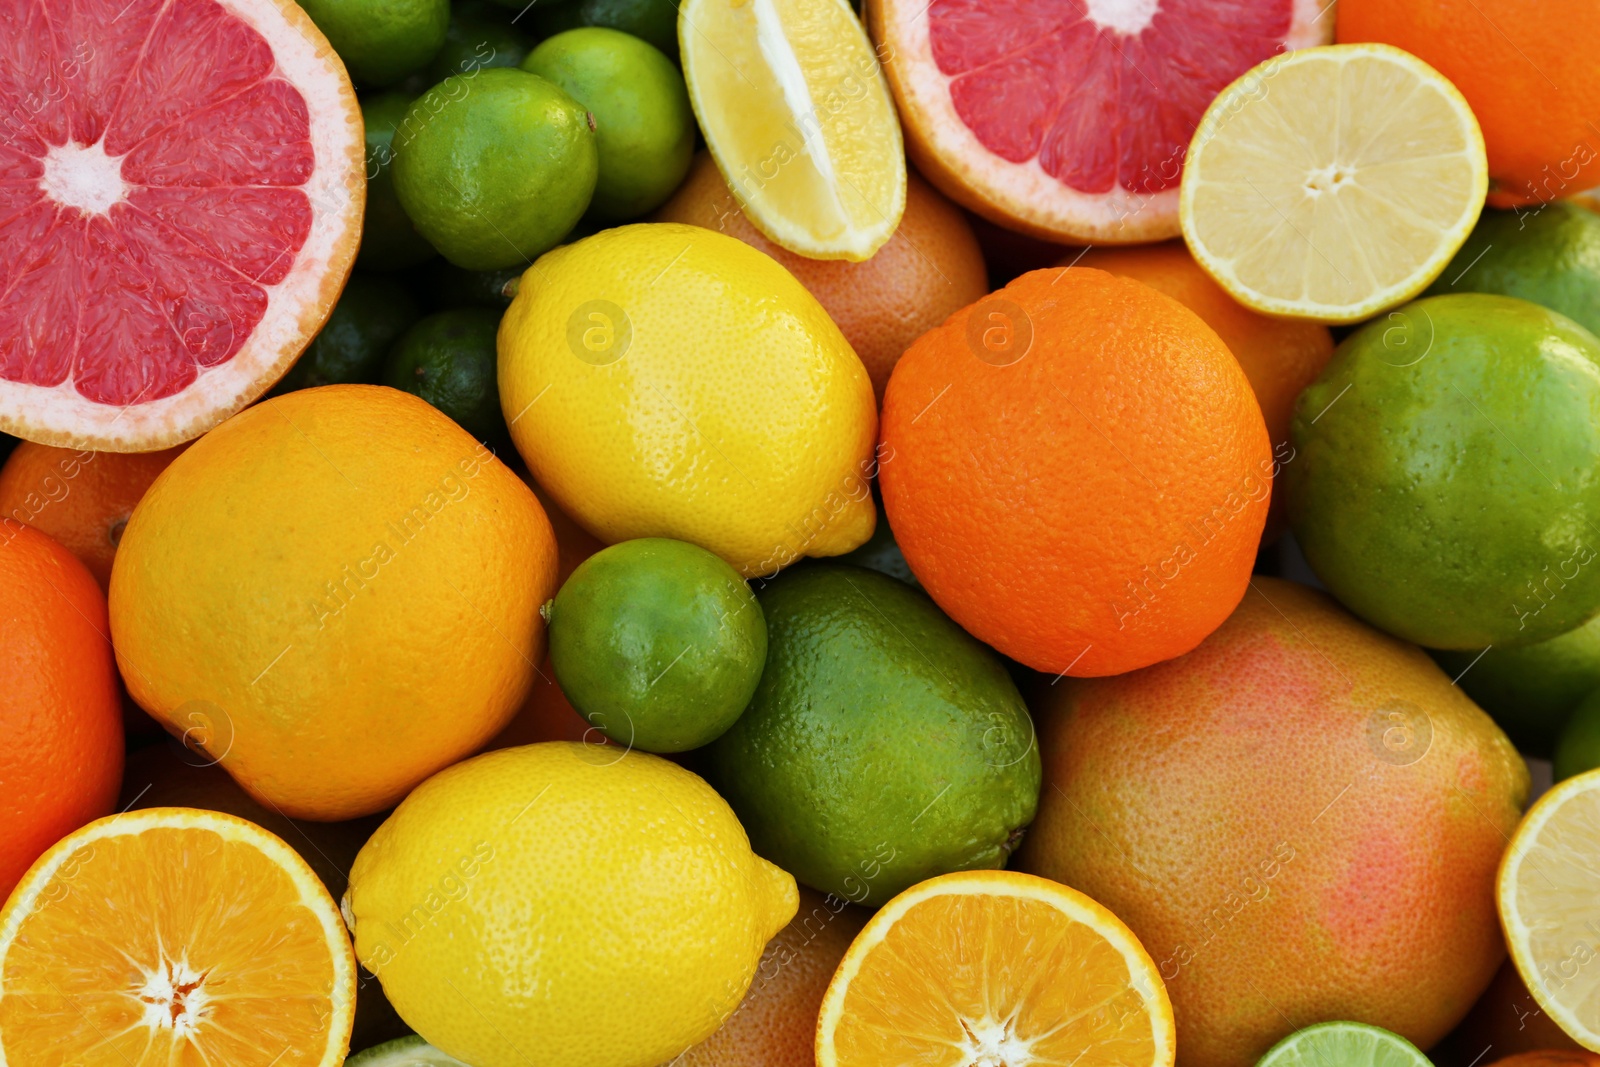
[[60, 712], [932, 266], [82, 499], [1300, 819], [1527, 68], [1077, 471]]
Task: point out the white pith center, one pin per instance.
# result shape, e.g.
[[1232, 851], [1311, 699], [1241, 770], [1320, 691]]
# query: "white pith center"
[[1123, 16], [84, 177], [990, 1043], [174, 998]]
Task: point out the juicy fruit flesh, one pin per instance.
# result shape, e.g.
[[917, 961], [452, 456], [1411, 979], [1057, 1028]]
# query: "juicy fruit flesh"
[[151, 193], [1103, 93]]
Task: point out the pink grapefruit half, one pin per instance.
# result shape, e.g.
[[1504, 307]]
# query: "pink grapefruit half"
[[181, 192], [1069, 119]]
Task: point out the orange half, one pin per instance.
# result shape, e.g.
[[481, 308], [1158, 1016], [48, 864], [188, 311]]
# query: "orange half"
[[173, 937], [995, 967]]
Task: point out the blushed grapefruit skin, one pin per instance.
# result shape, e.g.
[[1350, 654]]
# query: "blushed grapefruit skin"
[[139, 314]]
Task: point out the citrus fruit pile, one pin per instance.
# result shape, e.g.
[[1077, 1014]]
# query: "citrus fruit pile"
[[799, 533]]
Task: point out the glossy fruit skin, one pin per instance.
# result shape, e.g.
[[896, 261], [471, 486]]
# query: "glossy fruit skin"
[[448, 359], [658, 643], [1549, 255], [1263, 813], [60, 709], [389, 239], [1502, 55], [872, 705], [498, 144], [653, 21], [1077, 471], [292, 584], [931, 267], [476, 40], [644, 127], [382, 41], [373, 313], [1450, 402]]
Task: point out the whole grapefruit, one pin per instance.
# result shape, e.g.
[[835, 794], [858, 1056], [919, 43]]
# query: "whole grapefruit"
[[1301, 819]]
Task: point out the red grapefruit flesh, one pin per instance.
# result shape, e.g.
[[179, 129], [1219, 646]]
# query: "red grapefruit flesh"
[[181, 192], [1069, 119]]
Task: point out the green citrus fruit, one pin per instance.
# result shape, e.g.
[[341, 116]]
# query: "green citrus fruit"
[[658, 643], [1443, 486], [477, 40], [448, 359], [1578, 747], [655, 21], [1550, 256], [403, 1052], [373, 313], [381, 41], [495, 167], [644, 126], [451, 286], [389, 240], [1342, 1044], [883, 746]]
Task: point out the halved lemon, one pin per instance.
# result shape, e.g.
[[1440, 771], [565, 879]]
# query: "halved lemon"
[[173, 936], [1546, 891], [1333, 183], [798, 116], [995, 967]]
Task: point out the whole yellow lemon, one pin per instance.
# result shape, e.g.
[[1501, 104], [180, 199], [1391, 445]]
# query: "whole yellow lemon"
[[564, 905], [334, 593], [663, 380]]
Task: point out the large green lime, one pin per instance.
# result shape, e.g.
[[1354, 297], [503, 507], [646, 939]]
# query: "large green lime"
[[658, 643], [495, 167], [883, 746], [476, 40], [1530, 691], [644, 125], [655, 21], [373, 312], [389, 241], [382, 41], [1578, 747], [1344, 1044], [1550, 256], [449, 360], [1444, 480]]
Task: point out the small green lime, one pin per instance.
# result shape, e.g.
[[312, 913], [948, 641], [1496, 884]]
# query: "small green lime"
[[495, 167], [382, 41], [1344, 1044], [1578, 747], [451, 286], [884, 744], [1531, 691], [373, 312], [449, 360], [657, 643], [1443, 486], [644, 125], [410, 1051], [652, 21], [389, 241], [1549, 255], [477, 40]]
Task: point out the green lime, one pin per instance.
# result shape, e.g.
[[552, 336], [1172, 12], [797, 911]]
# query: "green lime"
[[1530, 691], [644, 126], [653, 21], [1443, 485], [452, 287], [403, 1052], [658, 643], [883, 746], [389, 241], [477, 40], [1343, 1044], [381, 41], [1550, 256], [495, 167], [449, 360], [1578, 747], [373, 312]]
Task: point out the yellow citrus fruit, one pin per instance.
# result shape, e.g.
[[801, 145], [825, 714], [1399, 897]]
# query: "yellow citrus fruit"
[[663, 380], [335, 593], [995, 967], [563, 903], [173, 936], [1332, 183], [1546, 892]]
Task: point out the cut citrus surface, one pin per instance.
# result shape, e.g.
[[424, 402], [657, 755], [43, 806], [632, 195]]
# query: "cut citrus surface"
[[1333, 183], [173, 936], [1546, 892], [1346, 1045], [181, 191], [1069, 119], [995, 967], [798, 116]]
